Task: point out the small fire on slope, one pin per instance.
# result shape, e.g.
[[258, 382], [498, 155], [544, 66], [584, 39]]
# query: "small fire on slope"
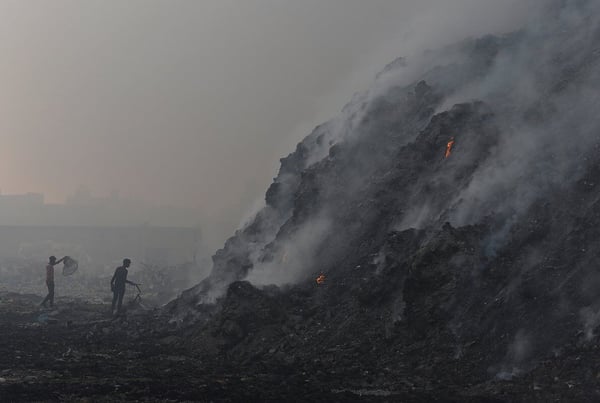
[[321, 279], [449, 147]]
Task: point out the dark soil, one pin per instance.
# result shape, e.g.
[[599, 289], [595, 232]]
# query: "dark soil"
[[77, 352], [82, 354]]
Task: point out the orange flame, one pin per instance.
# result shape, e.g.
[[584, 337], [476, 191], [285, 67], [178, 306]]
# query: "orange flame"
[[321, 279], [449, 147]]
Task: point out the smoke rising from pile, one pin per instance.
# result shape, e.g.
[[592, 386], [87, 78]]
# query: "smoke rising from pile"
[[518, 352], [193, 105], [295, 256], [546, 128], [511, 73]]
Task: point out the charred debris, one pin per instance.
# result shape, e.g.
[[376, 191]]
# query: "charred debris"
[[423, 250]]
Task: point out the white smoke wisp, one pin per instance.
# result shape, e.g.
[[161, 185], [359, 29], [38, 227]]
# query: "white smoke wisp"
[[518, 353], [534, 154], [529, 159], [417, 218], [420, 43], [590, 319], [295, 258]]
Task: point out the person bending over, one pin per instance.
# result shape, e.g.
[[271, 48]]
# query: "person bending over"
[[117, 285]]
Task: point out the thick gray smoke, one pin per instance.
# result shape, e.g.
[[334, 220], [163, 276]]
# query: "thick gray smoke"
[[295, 256], [530, 157], [537, 83], [544, 113], [193, 105], [547, 130]]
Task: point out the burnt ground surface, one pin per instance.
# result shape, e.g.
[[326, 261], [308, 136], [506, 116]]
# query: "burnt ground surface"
[[468, 278], [78, 353]]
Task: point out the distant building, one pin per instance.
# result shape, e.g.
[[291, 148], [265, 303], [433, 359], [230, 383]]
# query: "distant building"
[[103, 229]]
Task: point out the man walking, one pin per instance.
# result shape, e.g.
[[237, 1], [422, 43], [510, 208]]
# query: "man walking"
[[50, 280], [117, 285]]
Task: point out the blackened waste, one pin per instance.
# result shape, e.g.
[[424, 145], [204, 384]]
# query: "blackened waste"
[[472, 276], [481, 268]]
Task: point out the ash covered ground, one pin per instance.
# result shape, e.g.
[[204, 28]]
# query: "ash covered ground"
[[160, 283], [452, 215]]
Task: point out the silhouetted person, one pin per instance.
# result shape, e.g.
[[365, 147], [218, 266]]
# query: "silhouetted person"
[[50, 280], [117, 285]]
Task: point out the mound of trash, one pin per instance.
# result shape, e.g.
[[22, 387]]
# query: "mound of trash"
[[440, 233]]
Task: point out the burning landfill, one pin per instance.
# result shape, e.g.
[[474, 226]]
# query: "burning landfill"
[[449, 147], [472, 280]]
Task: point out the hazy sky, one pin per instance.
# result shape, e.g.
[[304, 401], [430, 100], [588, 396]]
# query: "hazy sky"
[[192, 103]]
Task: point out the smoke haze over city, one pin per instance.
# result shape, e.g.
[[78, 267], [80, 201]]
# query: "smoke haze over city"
[[191, 104]]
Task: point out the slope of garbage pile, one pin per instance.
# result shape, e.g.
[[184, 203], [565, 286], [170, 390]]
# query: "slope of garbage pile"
[[433, 310], [457, 240]]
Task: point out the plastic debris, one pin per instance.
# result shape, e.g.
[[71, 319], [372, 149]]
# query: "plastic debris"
[[70, 266]]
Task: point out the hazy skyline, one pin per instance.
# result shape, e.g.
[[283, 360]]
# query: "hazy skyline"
[[192, 103]]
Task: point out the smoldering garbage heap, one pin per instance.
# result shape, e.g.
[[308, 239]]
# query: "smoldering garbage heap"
[[441, 273]]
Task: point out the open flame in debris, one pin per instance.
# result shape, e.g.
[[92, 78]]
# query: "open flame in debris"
[[449, 147], [321, 279]]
